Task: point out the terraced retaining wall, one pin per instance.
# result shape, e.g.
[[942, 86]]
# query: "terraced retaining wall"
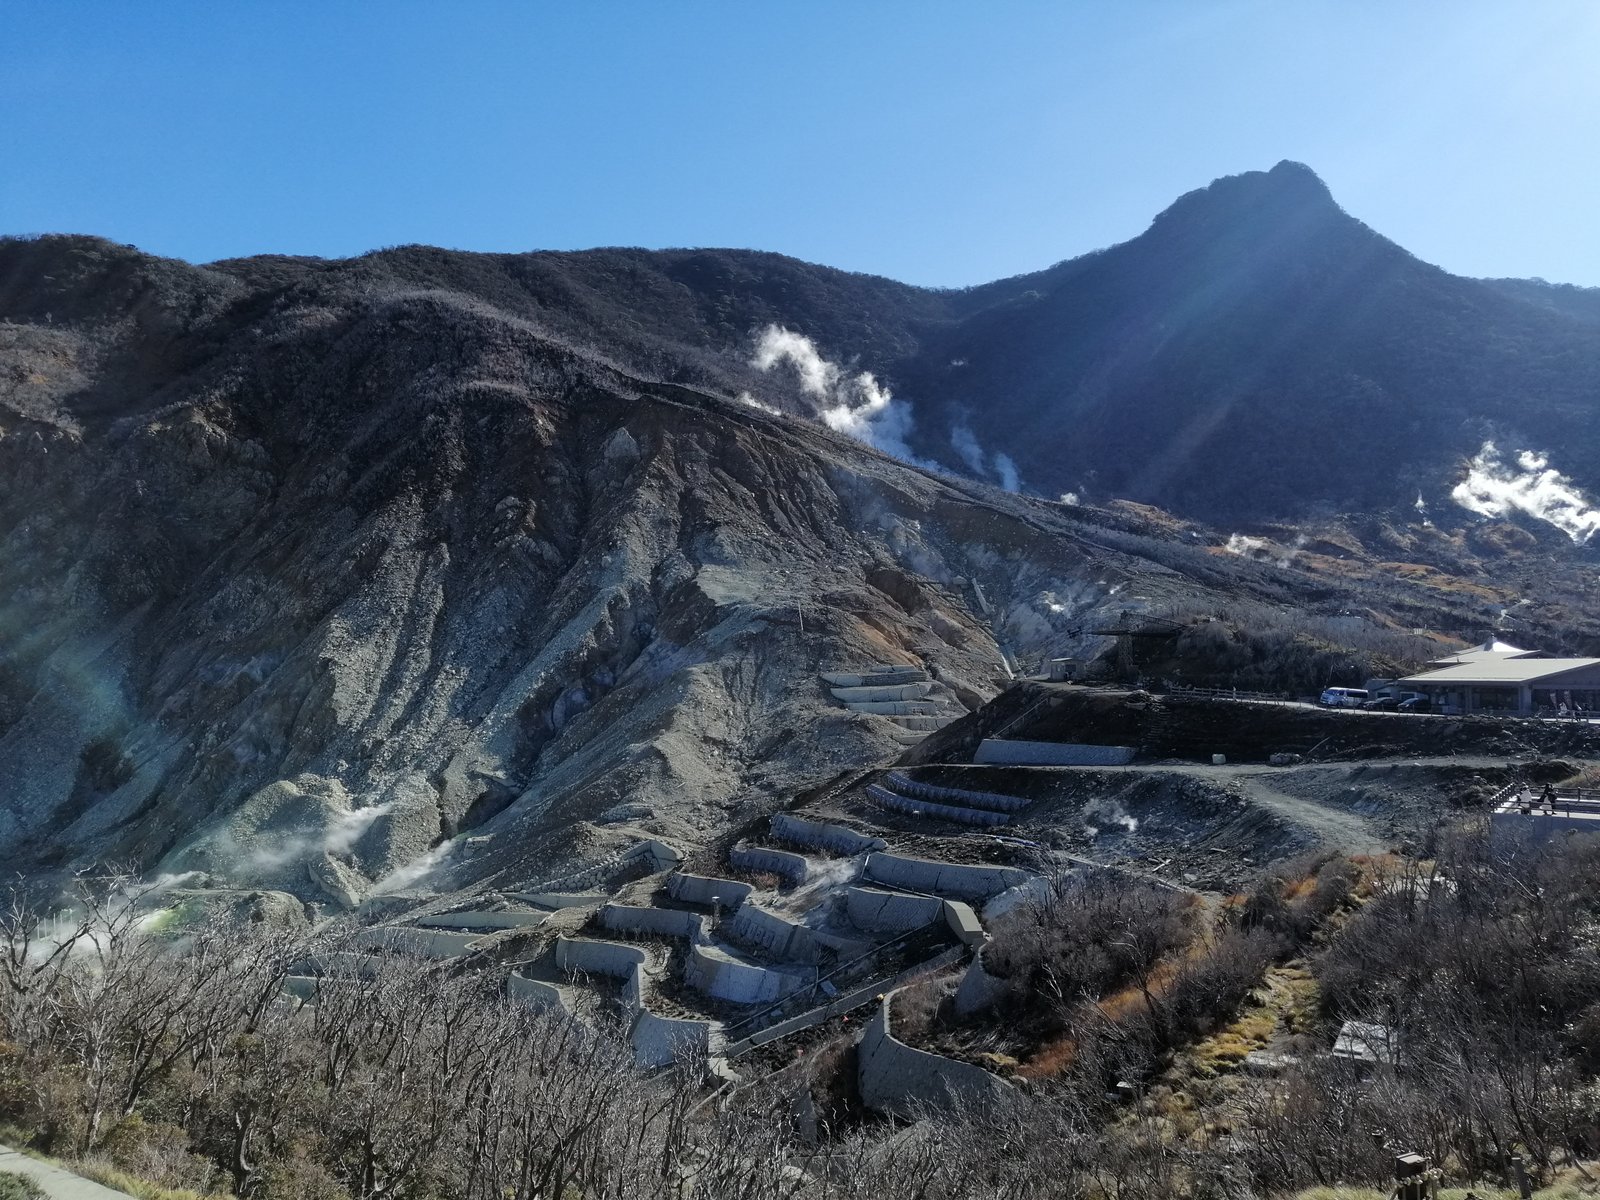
[[875, 678], [485, 920], [979, 989], [427, 943], [599, 958], [661, 856], [662, 922], [559, 900], [837, 838], [1034, 891], [659, 1041], [928, 808], [906, 1082], [778, 936], [843, 1004], [791, 867], [996, 801], [535, 993], [705, 889], [996, 751], [710, 971], [884, 691], [895, 708], [890, 912], [956, 880]]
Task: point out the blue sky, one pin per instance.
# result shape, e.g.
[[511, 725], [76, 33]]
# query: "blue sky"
[[939, 143]]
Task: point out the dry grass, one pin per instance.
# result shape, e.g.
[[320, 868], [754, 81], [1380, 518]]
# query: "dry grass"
[[104, 1172], [1563, 1189]]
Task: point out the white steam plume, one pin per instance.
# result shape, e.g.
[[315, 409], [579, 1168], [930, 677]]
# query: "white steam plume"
[[817, 375], [343, 831], [1010, 480], [1493, 488], [854, 405], [999, 466], [965, 444], [410, 872], [858, 406], [750, 401], [1262, 550]]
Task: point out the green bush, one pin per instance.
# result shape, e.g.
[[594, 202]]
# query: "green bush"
[[19, 1187]]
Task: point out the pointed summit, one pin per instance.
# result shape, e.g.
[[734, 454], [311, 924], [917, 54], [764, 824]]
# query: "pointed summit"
[[1290, 192]]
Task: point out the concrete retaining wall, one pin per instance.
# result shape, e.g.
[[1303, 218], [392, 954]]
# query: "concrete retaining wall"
[[905, 1082], [837, 838], [706, 889], [843, 1004], [923, 724], [713, 972], [961, 797], [882, 678], [425, 943], [660, 856], [659, 922], [790, 867], [895, 708], [979, 989], [555, 901], [598, 958], [1051, 754], [940, 812], [347, 963], [890, 912], [887, 691], [535, 993], [943, 879], [777, 936], [485, 920], [658, 1041], [1035, 891]]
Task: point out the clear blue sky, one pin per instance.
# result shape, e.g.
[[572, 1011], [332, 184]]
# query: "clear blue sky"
[[940, 143]]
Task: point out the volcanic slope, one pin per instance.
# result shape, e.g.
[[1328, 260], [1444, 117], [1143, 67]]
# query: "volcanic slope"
[[297, 594], [323, 576]]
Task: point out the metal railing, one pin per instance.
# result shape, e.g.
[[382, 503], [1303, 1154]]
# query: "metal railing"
[[1208, 693]]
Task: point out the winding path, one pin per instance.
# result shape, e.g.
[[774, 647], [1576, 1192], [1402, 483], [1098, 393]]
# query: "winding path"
[[58, 1183]]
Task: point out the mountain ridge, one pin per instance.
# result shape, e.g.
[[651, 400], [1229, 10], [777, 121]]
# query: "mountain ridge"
[[365, 557]]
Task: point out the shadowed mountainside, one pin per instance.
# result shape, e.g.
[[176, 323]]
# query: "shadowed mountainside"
[[308, 568]]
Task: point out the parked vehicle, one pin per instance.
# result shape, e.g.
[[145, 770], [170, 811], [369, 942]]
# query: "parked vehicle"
[[1344, 697], [1416, 704], [1382, 704]]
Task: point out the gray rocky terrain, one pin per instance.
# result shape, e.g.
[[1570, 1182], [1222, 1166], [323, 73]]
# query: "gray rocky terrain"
[[429, 570]]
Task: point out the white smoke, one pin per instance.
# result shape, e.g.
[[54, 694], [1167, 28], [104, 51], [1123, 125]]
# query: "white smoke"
[[1007, 471], [965, 444], [998, 466], [750, 401], [868, 413], [854, 405], [1493, 488], [1247, 546], [1069, 498], [1261, 549], [817, 375], [1106, 811], [858, 406], [408, 873], [343, 831]]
